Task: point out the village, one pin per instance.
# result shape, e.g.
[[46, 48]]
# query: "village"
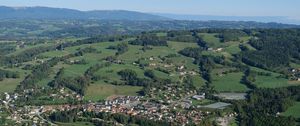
[[179, 109]]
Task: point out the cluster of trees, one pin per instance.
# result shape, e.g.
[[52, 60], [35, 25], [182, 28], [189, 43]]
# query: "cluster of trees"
[[249, 78], [90, 73], [194, 52], [6, 48], [150, 74], [206, 64], [78, 84], [39, 72], [81, 52], [8, 74], [65, 116], [149, 39], [231, 35], [130, 77], [121, 48], [181, 36], [25, 56], [91, 40], [262, 106]]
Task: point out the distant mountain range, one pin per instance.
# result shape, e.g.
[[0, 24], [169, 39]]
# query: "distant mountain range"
[[265, 19], [62, 13]]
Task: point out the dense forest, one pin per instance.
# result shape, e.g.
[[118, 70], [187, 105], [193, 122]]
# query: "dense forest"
[[275, 49], [263, 105]]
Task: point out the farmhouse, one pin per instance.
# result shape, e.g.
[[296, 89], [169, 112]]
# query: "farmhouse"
[[199, 97]]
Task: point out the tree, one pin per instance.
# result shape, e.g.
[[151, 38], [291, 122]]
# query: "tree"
[[128, 74]]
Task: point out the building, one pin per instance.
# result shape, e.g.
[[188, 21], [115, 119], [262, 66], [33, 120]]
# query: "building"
[[199, 97]]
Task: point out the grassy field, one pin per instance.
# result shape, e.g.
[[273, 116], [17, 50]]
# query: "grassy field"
[[110, 73], [18, 51], [202, 102], [198, 81], [177, 46], [272, 81], [228, 82], [9, 85], [69, 50], [101, 90], [211, 40], [91, 58], [135, 53], [293, 111], [294, 65], [231, 47], [186, 61], [160, 34]]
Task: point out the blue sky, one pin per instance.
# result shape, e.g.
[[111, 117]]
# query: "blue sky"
[[289, 8]]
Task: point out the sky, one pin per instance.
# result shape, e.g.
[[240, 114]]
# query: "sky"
[[288, 8]]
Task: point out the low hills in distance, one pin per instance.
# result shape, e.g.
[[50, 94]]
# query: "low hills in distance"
[[265, 19], [45, 22], [63, 13]]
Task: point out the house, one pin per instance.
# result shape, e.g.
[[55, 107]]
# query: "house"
[[152, 64], [199, 97], [219, 49], [180, 67]]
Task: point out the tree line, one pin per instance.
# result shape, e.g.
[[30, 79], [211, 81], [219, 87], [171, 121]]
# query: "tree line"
[[149, 40], [8, 74], [103, 118]]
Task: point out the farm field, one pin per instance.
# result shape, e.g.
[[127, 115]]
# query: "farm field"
[[10, 84], [101, 90], [293, 111], [229, 82], [272, 81], [177, 46]]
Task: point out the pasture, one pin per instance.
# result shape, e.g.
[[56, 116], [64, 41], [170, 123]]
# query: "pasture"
[[228, 82], [101, 90], [293, 111]]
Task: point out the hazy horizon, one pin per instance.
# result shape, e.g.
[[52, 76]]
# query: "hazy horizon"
[[287, 8]]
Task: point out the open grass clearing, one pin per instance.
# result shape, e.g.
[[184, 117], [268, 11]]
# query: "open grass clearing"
[[100, 91], [10, 84], [177, 46], [273, 81], [228, 82], [293, 111]]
